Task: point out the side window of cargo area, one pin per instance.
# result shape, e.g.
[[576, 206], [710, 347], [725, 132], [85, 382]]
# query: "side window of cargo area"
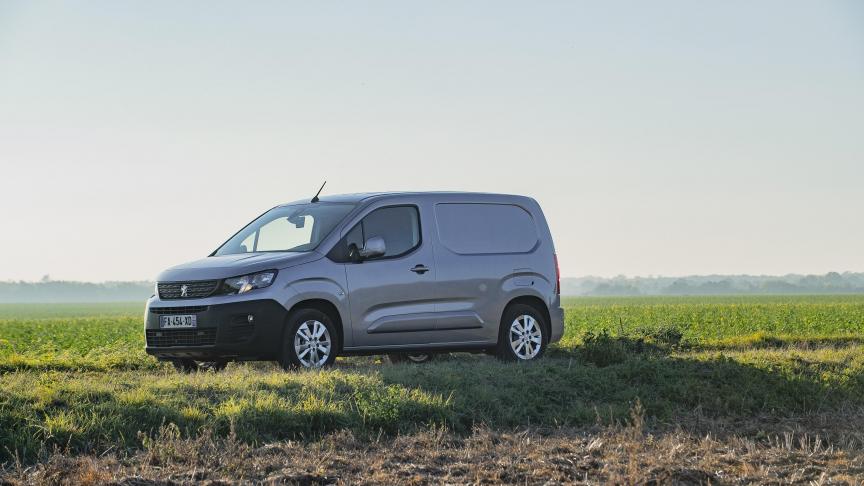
[[471, 229], [399, 226]]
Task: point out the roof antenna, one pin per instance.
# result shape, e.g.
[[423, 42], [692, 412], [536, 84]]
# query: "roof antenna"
[[315, 199]]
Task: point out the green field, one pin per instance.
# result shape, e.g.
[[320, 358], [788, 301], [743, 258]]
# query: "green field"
[[76, 377], [109, 336]]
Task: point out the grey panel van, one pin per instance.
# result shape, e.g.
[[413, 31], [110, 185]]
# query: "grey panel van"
[[407, 274]]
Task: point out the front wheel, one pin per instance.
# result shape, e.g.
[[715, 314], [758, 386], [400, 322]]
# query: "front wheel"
[[522, 336], [310, 340]]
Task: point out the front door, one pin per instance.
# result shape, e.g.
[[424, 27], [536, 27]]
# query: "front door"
[[392, 297]]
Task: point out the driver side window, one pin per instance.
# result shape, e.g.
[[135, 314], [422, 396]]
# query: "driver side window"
[[398, 226]]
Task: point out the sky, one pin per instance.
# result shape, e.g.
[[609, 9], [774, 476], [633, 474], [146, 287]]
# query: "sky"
[[660, 138]]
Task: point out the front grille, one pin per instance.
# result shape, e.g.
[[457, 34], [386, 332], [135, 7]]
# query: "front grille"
[[174, 290], [180, 337], [190, 309]]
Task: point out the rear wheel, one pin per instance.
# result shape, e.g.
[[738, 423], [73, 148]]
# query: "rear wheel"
[[186, 365], [310, 340], [215, 366], [416, 358], [522, 336]]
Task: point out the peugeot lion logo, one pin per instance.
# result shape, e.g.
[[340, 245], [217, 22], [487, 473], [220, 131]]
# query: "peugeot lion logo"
[[183, 290]]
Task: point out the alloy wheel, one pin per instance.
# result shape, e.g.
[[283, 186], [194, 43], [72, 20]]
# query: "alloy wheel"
[[525, 337], [312, 344]]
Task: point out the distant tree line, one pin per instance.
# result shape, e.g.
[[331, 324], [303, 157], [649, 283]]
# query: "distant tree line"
[[60, 291], [830, 283]]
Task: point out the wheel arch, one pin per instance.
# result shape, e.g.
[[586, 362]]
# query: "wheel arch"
[[327, 307], [538, 304]]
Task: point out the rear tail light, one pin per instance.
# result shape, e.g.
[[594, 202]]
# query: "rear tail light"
[[557, 276]]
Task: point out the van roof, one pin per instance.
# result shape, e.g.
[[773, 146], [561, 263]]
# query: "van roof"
[[362, 196]]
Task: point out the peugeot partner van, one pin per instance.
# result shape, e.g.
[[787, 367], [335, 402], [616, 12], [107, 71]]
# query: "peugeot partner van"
[[406, 274]]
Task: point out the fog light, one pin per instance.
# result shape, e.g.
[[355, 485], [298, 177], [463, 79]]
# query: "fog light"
[[250, 318]]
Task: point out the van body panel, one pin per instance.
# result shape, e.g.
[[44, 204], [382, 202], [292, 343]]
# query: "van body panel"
[[471, 285], [324, 282], [218, 267], [389, 303], [472, 278], [403, 323], [449, 320]]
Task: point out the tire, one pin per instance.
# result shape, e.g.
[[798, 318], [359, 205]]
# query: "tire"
[[214, 366], [308, 334], [523, 325], [185, 365], [414, 358]]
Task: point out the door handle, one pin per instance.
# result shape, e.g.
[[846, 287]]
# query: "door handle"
[[421, 269]]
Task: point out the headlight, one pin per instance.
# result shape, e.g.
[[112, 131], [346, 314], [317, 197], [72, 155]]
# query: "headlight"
[[245, 283]]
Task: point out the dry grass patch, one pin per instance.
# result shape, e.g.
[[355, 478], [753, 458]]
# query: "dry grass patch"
[[814, 449]]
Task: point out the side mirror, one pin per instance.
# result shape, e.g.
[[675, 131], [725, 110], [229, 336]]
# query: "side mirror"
[[373, 248]]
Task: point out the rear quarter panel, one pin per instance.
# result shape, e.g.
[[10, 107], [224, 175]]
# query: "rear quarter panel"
[[479, 286]]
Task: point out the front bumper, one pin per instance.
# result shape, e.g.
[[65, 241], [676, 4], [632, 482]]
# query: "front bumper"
[[224, 331]]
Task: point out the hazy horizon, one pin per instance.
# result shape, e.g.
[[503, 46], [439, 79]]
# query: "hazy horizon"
[[48, 278], [831, 284], [672, 138]]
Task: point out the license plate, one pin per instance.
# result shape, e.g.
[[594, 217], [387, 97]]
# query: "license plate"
[[172, 322]]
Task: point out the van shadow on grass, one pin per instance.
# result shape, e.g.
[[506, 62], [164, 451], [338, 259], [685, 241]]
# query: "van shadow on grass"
[[601, 379]]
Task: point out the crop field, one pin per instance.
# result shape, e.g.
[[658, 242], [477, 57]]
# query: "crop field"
[[668, 389]]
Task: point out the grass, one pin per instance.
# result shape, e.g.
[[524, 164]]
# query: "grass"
[[90, 411], [65, 311], [83, 384], [74, 343], [707, 320], [108, 336]]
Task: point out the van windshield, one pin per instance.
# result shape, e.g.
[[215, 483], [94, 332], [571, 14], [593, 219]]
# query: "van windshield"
[[296, 228]]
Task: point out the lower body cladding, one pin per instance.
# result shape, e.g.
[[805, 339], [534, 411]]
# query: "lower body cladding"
[[250, 330]]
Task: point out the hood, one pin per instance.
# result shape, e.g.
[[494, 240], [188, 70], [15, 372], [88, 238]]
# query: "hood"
[[224, 266]]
